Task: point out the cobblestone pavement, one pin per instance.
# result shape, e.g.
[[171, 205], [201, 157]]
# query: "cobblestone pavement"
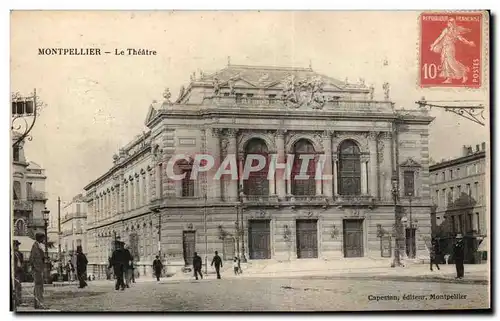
[[266, 294]]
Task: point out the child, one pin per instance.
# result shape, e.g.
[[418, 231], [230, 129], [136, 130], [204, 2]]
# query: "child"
[[236, 266]]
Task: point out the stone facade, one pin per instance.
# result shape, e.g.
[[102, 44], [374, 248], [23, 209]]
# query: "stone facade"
[[74, 226], [220, 114]]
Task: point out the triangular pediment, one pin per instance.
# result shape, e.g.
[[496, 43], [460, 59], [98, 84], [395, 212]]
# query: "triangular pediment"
[[410, 162], [239, 82]]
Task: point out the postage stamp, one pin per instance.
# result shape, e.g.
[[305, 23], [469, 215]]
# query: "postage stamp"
[[450, 49]]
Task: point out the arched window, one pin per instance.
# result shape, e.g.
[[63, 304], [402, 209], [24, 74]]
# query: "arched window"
[[187, 184], [349, 168], [20, 227], [303, 186], [257, 183]]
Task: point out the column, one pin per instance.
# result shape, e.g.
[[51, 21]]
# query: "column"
[[327, 168], [387, 165], [232, 150], [279, 176], [213, 145], [335, 175], [373, 173], [363, 177]]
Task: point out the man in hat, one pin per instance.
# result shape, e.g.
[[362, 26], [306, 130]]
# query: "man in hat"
[[157, 267], [458, 256], [37, 262], [119, 260], [18, 273]]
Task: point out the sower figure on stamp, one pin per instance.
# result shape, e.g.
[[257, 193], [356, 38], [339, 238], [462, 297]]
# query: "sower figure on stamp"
[[117, 261], [81, 267], [37, 262], [157, 267], [197, 264], [435, 253], [18, 273], [217, 263], [458, 256]]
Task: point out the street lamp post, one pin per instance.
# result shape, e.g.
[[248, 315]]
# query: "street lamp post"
[[397, 218], [46, 213], [242, 229], [412, 236], [60, 269]]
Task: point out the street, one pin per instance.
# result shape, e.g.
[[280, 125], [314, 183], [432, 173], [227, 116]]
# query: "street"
[[270, 294]]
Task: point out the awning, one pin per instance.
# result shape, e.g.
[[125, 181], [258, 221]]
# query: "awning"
[[484, 245], [27, 243]]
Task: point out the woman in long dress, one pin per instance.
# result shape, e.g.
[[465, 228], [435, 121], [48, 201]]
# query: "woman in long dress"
[[450, 67]]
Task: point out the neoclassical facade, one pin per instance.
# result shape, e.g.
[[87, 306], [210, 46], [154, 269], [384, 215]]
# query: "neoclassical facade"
[[245, 110]]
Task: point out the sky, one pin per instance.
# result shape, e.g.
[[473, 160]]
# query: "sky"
[[96, 104]]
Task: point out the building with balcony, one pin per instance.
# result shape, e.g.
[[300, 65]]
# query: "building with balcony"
[[280, 111], [29, 196], [73, 226], [459, 190]]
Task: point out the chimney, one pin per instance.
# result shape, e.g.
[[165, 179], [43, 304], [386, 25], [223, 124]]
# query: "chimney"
[[483, 146], [477, 148], [469, 150], [465, 150]]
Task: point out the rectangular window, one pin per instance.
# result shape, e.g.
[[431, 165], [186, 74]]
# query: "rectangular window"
[[470, 223], [468, 190], [460, 223], [29, 190], [451, 174], [459, 191], [476, 191], [445, 199], [475, 169], [478, 225], [249, 95], [436, 178], [450, 195], [226, 94], [409, 183], [239, 97], [437, 198], [443, 177], [458, 172], [15, 153], [17, 190]]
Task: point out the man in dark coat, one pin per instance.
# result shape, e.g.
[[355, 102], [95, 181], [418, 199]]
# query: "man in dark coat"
[[157, 267], [217, 262], [37, 262], [18, 273], [197, 265], [81, 266], [435, 252], [119, 261], [458, 256]]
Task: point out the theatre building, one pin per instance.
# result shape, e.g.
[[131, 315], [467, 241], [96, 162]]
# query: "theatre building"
[[242, 110]]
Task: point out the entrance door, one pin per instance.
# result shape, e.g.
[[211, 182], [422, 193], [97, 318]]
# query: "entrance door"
[[259, 240], [228, 248], [189, 246], [411, 249], [353, 238], [307, 239]]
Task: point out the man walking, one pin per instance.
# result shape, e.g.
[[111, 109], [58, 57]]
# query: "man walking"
[[435, 252], [217, 262], [197, 265], [18, 273], [157, 267], [458, 256], [37, 262], [117, 261], [81, 266]]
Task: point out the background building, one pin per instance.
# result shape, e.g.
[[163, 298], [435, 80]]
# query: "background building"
[[29, 196], [459, 193], [266, 110], [74, 225]]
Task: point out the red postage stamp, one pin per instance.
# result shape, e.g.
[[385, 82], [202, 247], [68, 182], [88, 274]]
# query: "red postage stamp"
[[450, 49]]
